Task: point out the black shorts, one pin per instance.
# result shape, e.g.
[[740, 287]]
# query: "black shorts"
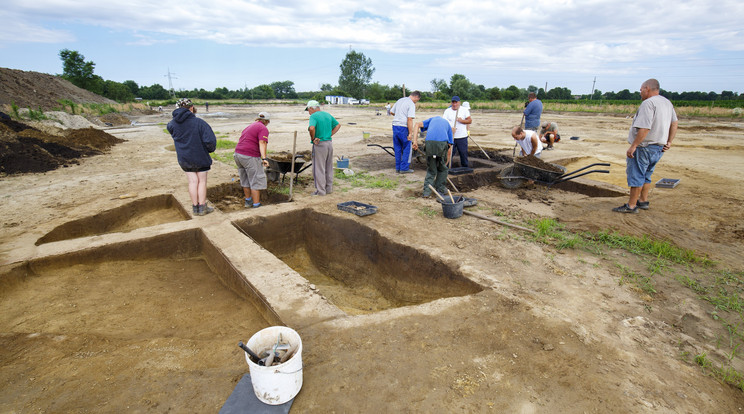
[[557, 137], [195, 169]]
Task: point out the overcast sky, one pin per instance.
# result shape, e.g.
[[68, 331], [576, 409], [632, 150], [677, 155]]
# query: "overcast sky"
[[687, 45]]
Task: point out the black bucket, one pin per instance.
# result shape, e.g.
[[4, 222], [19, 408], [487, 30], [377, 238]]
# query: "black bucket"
[[453, 210]]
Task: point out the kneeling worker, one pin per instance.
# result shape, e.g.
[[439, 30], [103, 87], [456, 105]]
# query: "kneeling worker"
[[549, 134], [528, 140], [438, 152]]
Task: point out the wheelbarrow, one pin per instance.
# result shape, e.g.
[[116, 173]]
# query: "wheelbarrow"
[[515, 175], [418, 154], [284, 167]]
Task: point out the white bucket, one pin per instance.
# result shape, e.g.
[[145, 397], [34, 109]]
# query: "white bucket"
[[280, 383]]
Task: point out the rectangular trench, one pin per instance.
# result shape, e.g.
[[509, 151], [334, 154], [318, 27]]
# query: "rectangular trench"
[[354, 266], [155, 320]]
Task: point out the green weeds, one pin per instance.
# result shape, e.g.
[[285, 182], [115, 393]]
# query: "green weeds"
[[428, 212], [365, 180], [643, 282], [223, 144], [36, 115]]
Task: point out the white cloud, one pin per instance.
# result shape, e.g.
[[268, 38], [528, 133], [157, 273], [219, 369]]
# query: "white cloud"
[[18, 29], [412, 27], [570, 36]]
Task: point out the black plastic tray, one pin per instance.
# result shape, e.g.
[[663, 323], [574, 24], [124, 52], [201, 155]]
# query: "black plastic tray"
[[355, 207], [460, 170], [667, 183]]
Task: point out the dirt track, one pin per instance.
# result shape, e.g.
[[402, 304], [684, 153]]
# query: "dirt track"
[[550, 331]]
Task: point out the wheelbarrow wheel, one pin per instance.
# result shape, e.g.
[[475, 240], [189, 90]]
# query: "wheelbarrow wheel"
[[510, 182]]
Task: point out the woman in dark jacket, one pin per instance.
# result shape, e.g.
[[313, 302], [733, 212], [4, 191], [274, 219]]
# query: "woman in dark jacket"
[[194, 140]]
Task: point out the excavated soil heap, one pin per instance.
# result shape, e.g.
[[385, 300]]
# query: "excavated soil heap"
[[286, 156], [26, 149], [533, 161]]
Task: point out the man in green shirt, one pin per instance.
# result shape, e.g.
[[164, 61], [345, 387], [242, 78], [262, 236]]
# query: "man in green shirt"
[[322, 127]]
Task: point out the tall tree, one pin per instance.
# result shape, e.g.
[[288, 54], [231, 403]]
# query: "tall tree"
[[76, 70], [356, 72], [284, 89]]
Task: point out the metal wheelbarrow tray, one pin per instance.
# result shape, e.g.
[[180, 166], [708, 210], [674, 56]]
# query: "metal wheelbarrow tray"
[[518, 173], [284, 167]]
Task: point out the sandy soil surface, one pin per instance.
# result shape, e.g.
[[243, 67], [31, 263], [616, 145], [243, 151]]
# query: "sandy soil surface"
[[551, 330]]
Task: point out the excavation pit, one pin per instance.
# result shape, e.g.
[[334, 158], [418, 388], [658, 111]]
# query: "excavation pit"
[[136, 214], [355, 267], [152, 324], [229, 197]]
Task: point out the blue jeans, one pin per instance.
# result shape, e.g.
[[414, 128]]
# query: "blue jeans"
[[402, 147], [461, 147], [640, 168]]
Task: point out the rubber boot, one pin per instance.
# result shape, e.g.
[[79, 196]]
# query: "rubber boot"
[[195, 209]]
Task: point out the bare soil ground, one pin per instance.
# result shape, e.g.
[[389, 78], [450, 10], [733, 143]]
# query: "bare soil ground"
[[552, 330]]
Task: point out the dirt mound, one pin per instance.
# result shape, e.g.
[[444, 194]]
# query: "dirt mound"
[[116, 119], [533, 161], [26, 149], [40, 90], [286, 156]]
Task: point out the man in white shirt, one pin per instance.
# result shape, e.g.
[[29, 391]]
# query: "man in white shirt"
[[529, 141], [403, 113], [651, 134], [459, 119]]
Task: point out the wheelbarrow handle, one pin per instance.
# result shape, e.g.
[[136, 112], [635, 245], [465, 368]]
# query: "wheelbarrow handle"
[[567, 175], [384, 148], [563, 179]]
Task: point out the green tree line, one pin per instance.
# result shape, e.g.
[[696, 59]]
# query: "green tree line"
[[355, 75]]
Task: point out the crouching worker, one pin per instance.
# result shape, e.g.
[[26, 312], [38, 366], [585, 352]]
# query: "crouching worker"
[[528, 140], [438, 152], [549, 134]]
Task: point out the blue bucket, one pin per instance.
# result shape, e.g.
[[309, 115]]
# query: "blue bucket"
[[342, 163]]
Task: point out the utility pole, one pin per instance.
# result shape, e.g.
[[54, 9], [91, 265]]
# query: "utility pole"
[[170, 77], [404, 89], [593, 83]]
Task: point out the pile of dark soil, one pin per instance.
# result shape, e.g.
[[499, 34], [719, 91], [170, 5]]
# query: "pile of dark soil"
[[493, 154], [40, 90], [25, 149], [532, 161], [286, 156]]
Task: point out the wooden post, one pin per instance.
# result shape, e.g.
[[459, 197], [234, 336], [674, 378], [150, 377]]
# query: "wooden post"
[[292, 171]]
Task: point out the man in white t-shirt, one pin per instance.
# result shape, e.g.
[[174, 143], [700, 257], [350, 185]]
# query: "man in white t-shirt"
[[459, 119], [529, 141], [651, 134], [403, 111]]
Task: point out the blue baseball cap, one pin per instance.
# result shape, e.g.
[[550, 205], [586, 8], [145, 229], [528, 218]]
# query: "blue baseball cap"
[[456, 98]]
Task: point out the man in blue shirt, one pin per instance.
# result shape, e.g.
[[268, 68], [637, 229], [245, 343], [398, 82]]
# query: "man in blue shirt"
[[438, 152], [532, 112]]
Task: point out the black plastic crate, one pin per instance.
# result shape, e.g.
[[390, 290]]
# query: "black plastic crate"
[[667, 183], [355, 207]]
